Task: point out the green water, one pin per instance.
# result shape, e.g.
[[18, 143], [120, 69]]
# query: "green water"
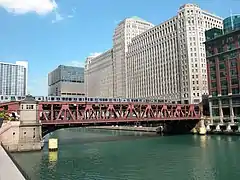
[[112, 155]]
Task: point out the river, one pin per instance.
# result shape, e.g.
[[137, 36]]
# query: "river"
[[88, 154]]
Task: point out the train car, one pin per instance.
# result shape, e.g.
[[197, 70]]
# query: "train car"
[[80, 99]]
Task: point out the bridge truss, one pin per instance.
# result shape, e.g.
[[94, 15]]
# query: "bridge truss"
[[80, 113]]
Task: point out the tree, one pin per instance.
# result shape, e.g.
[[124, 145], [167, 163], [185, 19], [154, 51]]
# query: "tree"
[[5, 116]]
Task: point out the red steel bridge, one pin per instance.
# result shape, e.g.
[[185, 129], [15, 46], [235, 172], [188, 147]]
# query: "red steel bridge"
[[90, 113]]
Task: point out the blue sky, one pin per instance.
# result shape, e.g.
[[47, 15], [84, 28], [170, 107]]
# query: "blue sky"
[[47, 33]]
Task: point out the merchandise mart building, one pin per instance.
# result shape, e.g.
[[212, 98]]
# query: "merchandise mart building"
[[168, 61], [223, 58]]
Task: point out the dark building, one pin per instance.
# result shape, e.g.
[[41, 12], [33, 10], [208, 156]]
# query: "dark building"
[[223, 65], [66, 81]]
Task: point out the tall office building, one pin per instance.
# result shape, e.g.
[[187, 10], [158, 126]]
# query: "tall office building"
[[99, 75], [169, 61], [223, 60], [123, 34], [66, 81], [106, 74], [13, 78], [87, 75]]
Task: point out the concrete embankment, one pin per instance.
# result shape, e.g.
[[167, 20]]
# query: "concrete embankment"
[[126, 128], [8, 169]]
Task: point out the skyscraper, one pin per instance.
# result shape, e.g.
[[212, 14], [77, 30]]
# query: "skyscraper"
[[123, 34], [13, 78], [168, 61], [105, 74]]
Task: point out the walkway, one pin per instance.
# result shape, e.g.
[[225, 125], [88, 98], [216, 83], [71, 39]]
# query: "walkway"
[[8, 170]]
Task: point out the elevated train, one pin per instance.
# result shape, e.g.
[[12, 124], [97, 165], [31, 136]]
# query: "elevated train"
[[78, 99]]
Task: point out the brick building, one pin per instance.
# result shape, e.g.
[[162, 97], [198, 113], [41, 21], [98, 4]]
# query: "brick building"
[[223, 66]]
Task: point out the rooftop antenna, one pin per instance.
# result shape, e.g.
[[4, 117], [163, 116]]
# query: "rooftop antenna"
[[232, 25]]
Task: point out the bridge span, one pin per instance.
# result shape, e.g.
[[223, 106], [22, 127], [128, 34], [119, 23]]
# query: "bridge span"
[[38, 118], [108, 112]]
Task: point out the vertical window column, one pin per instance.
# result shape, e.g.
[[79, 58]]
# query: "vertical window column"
[[218, 76], [229, 80], [238, 68], [209, 79]]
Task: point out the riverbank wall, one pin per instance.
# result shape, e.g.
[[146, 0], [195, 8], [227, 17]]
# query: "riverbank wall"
[[9, 168], [127, 128]]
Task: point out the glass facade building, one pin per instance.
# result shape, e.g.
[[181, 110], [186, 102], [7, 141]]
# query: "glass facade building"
[[66, 81], [13, 78], [223, 66], [231, 23]]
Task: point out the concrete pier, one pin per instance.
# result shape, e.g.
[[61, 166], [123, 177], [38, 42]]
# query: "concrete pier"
[[8, 170]]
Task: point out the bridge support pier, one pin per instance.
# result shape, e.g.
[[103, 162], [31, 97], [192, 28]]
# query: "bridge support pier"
[[30, 130], [25, 134], [202, 128]]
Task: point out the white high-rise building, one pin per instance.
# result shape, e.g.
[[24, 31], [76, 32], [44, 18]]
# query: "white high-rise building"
[[99, 75], [123, 34], [169, 61], [13, 78], [105, 74]]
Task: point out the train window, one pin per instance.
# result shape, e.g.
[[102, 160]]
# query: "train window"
[[75, 99], [80, 99], [63, 99], [6, 97], [58, 99], [91, 99], [39, 98], [70, 99], [52, 98], [86, 99], [13, 98]]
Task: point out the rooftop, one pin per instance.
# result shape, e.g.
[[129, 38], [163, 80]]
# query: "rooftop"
[[137, 18], [29, 98]]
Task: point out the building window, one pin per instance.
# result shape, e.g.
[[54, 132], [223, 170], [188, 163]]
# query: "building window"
[[214, 93], [234, 81], [224, 92], [29, 107], [235, 91]]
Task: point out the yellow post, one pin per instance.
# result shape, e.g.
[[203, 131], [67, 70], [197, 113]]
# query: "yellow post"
[[53, 144]]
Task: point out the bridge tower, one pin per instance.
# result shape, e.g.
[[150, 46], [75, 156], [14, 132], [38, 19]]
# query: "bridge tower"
[[30, 130]]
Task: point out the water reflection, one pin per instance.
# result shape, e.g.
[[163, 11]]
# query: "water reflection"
[[52, 156], [203, 141], [108, 155], [52, 160]]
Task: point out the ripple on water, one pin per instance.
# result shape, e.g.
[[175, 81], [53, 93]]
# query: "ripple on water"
[[106, 155]]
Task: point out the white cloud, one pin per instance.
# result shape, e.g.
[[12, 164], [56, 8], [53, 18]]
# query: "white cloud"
[[117, 21], [70, 16], [40, 7], [58, 17], [76, 63], [95, 54]]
